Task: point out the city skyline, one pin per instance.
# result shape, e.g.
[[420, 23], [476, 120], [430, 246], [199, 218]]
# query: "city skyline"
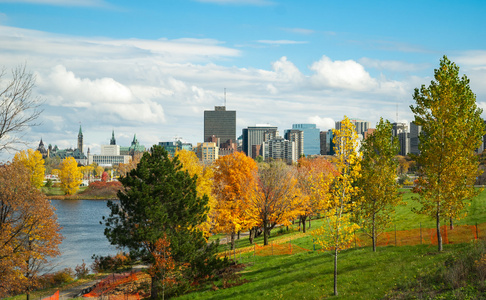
[[153, 68]]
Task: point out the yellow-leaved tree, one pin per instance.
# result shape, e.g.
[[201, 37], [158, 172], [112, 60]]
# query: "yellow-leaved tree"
[[337, 232], [70, 176], [452, 130], [33, 162], [232, 173], [379, 193], [204, 183]]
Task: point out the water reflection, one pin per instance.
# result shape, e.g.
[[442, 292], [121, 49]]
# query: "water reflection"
[[82, 232]]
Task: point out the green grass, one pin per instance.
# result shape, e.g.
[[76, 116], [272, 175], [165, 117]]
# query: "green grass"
[[56, 191], [362, 274]]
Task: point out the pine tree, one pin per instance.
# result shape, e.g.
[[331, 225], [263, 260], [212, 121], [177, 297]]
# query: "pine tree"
[[160, 200]]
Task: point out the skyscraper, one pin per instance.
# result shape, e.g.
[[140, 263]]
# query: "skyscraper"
[[312, 140], [296, 136], [360, 125], [414, 138], [254, 136], [220, 123]]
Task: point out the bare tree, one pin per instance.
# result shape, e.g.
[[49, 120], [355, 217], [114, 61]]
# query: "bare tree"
[[18, 108]]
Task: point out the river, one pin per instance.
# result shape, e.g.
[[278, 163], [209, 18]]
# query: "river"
[[82, 232]]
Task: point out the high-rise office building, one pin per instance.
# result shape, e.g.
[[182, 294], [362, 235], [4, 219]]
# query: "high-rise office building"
[[399, 130], [414, 138], [254, 136], [312, 140], [296, 136], [220, 123], [360, 125], [279, 148]]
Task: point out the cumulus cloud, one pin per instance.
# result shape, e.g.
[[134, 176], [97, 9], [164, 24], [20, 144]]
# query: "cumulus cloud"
[[287, 71], [323, 123], [340, 74]]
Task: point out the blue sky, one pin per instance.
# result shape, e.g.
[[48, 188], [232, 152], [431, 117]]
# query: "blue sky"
[[152, 67]]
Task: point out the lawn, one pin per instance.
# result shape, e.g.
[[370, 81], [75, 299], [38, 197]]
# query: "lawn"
[[362, 273]]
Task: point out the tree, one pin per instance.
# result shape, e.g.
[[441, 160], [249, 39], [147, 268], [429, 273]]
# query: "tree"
[[232, 173], [159, 200], [451, 132], [70, 176], [204, 183], [314, 178], [378, 186], [18, 108], [32, 161], [337, 232], [275, 198], [29, 232]]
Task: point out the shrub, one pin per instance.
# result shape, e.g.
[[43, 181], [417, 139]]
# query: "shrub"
[[81, 270], [110, 263], [64, 276]]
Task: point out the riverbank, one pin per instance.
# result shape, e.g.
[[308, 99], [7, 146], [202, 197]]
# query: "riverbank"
[[95, 191]]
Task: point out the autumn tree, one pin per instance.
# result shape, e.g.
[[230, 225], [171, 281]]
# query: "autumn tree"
[[18, 108], [275, 198], [160, 200], [123, 169], [32, 161], [314, 178], [338, 229], [379, 193], [29, 232], [451, 132], [232, 173], [70, 176], [204, 183]]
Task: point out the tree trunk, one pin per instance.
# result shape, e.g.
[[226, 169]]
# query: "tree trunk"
[[265, 233], [302, 218], [239, 234], [373, 233], [232, 241], [451, 224], [251, 235], [335, 271], [154, 292], [300, 221], [309, 222], [439, 237]]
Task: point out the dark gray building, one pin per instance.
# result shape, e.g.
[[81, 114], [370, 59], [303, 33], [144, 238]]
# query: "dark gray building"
[[254, 136], [220, 123]]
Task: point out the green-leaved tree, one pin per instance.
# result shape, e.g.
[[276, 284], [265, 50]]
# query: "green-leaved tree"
[[451, 131], [378, 186], [159, 202]]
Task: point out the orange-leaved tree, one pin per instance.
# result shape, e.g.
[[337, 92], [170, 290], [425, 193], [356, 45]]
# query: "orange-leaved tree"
[[337, 232], [32, 161], [275, 199], [70, 176], [231, 174], [204, 183], [314, 178], [29, 232]]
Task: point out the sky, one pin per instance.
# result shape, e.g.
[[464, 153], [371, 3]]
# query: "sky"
[[151, 68]]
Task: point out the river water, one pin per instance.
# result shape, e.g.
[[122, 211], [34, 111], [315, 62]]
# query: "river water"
[[82, 232]]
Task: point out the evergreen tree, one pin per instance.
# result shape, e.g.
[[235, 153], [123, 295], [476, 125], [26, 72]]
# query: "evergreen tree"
[[159, 201]]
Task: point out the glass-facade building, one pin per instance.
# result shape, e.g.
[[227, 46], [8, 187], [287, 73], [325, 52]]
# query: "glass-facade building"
[[312, 139]]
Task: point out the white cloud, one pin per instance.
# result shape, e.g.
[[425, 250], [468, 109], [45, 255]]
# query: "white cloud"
[[342, 75], [303, 31], [392, 65], [323, 123]]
